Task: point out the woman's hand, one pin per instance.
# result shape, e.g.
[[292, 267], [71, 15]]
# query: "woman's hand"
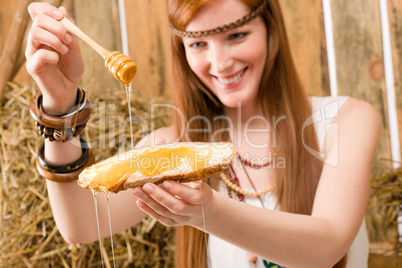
[[53, 58], [177, 203], [174, 203]]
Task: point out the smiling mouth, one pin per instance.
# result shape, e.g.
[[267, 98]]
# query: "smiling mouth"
[[231, 80]]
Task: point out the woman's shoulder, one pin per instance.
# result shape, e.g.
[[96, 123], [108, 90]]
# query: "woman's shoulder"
[[327, 101], [355, 109], [356, 128], [344, 105], [358, 118]]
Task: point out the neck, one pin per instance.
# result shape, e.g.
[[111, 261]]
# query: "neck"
[[249, 124], [248, 115]]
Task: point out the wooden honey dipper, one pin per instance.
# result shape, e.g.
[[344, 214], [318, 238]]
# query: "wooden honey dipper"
[[119, 65]]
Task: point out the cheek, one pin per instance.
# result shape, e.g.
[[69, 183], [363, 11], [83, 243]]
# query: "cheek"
[[257, 59], [195, 63], [258, 54]]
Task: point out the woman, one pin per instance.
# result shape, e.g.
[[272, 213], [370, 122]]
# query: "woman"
[[302, 189]]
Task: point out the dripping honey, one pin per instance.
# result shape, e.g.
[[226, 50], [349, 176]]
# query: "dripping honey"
[[151, 162], [121, 67]]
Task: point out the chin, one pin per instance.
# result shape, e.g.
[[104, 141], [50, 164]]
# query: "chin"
[[232, 103], [235, 102]]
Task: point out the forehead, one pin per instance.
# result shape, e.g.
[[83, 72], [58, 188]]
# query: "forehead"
[[217, 13]]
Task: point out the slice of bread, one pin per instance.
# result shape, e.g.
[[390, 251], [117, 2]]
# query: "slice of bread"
[[181, 162]]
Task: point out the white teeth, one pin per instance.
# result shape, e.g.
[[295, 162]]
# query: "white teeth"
[[230, 80]]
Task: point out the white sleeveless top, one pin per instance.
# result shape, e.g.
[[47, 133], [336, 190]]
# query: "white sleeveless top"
[[222, 254]]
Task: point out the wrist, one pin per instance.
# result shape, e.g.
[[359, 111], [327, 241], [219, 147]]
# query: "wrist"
[[61, 127], [58, 107], [208, 213]]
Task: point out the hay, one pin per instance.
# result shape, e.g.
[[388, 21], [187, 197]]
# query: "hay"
[[385, 196], [28, 234]]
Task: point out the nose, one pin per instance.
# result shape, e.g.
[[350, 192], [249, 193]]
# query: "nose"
[[220, 58]]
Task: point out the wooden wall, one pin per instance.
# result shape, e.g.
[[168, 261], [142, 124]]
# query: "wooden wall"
[[358, 50], [307, 41], [358, 47], [395, 13], [148, 33], [99, 20], [7, 10], [357, 35]]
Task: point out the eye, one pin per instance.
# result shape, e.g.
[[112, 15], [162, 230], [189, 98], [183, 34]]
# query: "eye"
[[237, 36], [198, 45]]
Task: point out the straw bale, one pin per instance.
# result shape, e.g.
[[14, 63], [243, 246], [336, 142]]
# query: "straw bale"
[[381, 216], [28, 234]]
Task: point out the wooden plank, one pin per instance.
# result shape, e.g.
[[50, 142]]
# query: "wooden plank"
[[358, 50], [7, 11], [148, 33], [307, 42], [98, 19], [360, 72], [395, 22], [11, 47]]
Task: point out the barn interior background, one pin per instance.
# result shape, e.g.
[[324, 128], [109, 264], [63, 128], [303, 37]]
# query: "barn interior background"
[[28, 235]]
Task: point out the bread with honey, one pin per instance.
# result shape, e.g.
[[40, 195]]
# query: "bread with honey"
[[182, 161]]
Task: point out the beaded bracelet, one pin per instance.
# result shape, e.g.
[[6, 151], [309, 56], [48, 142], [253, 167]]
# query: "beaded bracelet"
[[68, 172], [62, 135], [63, 127]]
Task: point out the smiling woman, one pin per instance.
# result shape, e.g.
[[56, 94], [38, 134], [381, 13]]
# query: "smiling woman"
[[230, 64], [248, 70], [232, 72]]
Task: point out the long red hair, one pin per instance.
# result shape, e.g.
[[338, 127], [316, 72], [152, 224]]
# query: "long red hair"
[[281, 94]]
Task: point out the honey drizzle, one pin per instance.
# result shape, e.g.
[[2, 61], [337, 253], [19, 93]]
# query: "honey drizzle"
[[97, 223], [110, 227], [203, 219], [94, 193], [127, 86], [123, 69]]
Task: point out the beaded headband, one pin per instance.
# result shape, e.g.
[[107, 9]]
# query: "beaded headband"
[[240, 22]]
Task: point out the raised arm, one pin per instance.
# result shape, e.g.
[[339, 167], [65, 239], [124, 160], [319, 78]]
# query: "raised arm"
[[54, 61]]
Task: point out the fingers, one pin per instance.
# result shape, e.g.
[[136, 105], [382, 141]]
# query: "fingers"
[[53, 26], [190, 192], [41, 58], [46, 29], [181, 204], [160, 200], [47, 34], [167, 221], [47, 39], [37, 8], [65, 13], [162, 206]]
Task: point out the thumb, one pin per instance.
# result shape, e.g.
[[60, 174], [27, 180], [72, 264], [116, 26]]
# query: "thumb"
[[160, 140], [65, 13]]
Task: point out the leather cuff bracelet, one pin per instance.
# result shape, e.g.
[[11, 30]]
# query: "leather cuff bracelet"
[[63, 127], [68, 172]]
